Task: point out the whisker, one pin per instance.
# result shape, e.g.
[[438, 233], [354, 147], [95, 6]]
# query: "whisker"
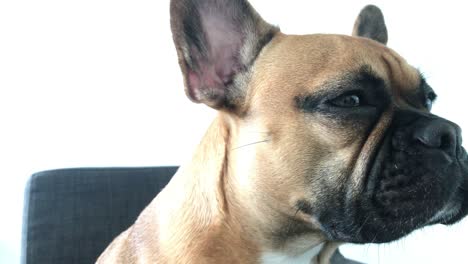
[[290, 223], [362, 225], [253, 143]]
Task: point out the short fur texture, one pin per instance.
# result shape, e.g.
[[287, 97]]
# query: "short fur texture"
[[320, 139]]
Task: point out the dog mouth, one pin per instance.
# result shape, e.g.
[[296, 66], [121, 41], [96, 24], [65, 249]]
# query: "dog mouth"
[[409, 178], [409, 187], [453, 215]]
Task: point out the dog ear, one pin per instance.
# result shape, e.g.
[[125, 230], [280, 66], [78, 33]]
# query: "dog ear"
[[217, 41], [371, 24]]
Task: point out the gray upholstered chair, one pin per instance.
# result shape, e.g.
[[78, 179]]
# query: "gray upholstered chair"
[[71, 215]]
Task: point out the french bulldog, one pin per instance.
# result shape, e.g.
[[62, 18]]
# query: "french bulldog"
[[319, 140]]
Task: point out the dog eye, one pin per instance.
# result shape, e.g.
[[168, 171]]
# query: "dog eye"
[[430, 100], [347, 101], [428, 104]]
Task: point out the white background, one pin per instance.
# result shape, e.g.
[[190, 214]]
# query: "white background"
[[96, 83]]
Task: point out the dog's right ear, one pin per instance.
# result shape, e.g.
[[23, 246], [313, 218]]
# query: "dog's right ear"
[[217, 41]]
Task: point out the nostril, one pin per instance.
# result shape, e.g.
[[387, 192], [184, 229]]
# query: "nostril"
[[429, 139], [446, 142], [421, 140], [442, 137]]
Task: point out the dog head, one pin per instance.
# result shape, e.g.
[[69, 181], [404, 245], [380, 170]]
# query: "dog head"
[[329, 134]]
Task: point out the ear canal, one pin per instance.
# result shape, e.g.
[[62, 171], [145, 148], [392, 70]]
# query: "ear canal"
[[371, 24], [217, 42]]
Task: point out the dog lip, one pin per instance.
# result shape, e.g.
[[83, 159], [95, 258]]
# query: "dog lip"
[[450, 211], [376, 161]]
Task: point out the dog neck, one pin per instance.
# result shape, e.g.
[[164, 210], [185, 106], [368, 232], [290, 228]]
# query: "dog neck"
[[201, 213], [196, 221]]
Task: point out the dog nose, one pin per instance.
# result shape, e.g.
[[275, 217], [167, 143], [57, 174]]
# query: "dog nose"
[[440, 134]]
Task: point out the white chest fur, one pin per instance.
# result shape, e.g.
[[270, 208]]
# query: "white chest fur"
[[284, 258]]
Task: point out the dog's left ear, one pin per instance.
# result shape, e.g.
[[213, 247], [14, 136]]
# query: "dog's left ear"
[[217, 42], [371, 24]]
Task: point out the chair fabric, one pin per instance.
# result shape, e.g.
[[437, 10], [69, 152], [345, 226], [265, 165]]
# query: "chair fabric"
[[71, 215]]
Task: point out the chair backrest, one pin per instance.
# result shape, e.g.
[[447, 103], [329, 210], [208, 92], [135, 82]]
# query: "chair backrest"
[[71, 215]]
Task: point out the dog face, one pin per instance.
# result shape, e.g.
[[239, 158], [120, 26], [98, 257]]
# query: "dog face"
[[329, 134]]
